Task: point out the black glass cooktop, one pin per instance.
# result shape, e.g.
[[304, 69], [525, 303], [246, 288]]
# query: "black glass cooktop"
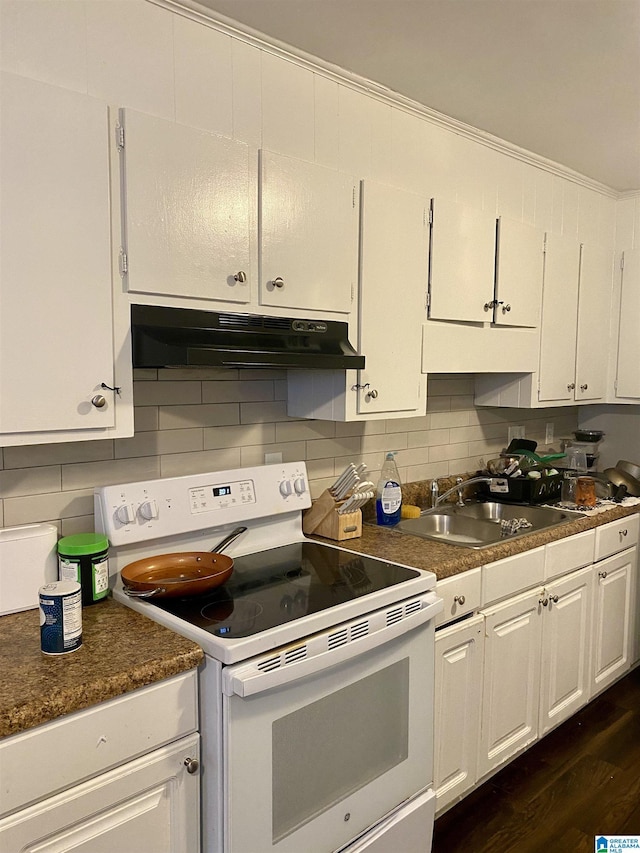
[[273, 587]]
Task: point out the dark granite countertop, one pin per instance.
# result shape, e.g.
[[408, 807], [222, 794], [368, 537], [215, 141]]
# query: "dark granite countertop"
[[121, 651], [448, 560]]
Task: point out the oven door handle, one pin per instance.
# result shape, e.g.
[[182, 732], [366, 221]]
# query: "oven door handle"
[[266, 672]]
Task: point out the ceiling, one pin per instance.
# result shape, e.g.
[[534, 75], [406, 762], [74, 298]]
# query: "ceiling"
[[560, 78]]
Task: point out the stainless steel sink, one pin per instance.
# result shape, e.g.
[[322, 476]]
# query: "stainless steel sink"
[[478, 525]]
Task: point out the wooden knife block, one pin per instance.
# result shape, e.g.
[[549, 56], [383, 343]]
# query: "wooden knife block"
[[323, 519]]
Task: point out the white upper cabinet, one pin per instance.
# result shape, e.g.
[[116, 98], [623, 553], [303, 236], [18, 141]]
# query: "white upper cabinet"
[[56, 311], [186, 210], [559, 318], [628, 372], [462, 263], [594, 313], [519, 270], [393, 291], [308, 238]]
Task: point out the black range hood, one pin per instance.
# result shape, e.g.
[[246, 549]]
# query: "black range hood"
[[185, 337]]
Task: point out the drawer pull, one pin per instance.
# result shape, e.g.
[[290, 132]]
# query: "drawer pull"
[[623, 533], [543, 601], [602, 574], [459, 599], [553, 598]]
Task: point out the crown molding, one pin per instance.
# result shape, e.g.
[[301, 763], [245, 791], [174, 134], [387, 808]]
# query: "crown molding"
[[227, 26]]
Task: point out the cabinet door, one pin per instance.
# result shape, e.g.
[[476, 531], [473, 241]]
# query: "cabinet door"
[[594, 312], [628, 374], [565, 677], [308, 235], [511, 685], [458, 678], [519, 268], [56, 315], [393, 291], [150, 805], [463, 244], [559, 318], [613, 586], [186, 210]]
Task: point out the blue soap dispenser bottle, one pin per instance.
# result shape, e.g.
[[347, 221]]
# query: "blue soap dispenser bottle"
[[389, 492]]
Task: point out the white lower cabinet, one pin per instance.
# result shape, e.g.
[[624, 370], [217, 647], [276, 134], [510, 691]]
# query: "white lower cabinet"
[[566, 646], [116, 777], [545, 632], [150, 805], [511, 684], [458, 682], [614, 582]]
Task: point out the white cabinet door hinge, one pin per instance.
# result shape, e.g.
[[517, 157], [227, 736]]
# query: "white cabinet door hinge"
[[622, 261], [353, 197], [119, 137], [124, 264], [431, 216], [353, 293]]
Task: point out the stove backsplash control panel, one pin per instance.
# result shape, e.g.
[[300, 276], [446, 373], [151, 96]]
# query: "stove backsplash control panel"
[[136, 512]]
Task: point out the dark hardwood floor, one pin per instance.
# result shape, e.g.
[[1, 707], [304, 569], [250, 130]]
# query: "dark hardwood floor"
[[581, 780]]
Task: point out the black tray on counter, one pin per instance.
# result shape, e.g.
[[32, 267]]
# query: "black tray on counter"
[[524, 490]]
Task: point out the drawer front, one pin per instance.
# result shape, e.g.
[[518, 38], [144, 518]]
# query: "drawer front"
[[616, 536], [568, 554], [513, 574], [49, 758], [460, 594]]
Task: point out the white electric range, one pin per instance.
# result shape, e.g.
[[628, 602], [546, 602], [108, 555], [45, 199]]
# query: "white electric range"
[[316, 695]]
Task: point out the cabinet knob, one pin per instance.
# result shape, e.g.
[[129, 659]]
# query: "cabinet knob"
[[459, 599], [489, 305], [623, 533], [543, 601], [373, 394], [584, 387], [240, 276], [192, 765], [278, 281], [99, 401], [506, 308], [553, 598], [571, 386], [602, 574]]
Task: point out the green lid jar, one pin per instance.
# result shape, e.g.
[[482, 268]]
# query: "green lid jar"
[[84, 557]]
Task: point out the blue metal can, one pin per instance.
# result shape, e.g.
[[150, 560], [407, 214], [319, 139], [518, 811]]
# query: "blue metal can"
[[60, 617]]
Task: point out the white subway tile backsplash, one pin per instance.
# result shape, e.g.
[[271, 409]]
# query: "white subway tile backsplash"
[[145, 418], [89, 474], [239, 436], [30, 456], [253, 413], [213, 414], [238, 391], [293, 451], [333, 447], [180, 464], [303, 430], [30, 481], [48, 507], [157, 443], [168, 393]]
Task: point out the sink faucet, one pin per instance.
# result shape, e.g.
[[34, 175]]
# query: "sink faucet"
[[459, 486]]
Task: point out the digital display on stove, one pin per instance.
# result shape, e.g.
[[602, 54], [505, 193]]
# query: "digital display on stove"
[[219, 491], [277, 586]]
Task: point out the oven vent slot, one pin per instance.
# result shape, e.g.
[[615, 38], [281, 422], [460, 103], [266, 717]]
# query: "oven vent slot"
[[294, 655], [359, 630], [338, 638], [403, 611], [413, 606], [270, 664]]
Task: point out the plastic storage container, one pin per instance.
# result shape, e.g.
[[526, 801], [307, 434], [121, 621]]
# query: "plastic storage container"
[[389, 493], [84, 558]]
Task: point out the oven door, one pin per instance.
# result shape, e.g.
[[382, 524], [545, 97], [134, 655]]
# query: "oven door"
[[324, 738]]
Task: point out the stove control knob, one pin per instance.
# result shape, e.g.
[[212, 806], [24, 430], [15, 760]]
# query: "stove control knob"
[[125, 514], [300, 486], [285, 488], [148, 510]]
